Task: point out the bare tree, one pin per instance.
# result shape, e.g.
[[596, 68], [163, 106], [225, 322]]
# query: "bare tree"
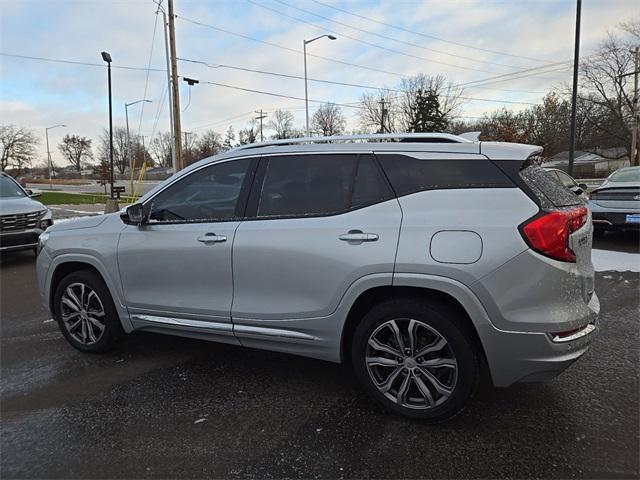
[[76, 150], [189, 151], [282, 123], [378, 112], [160, 149], [209, 144], [17, 148], [250, 133], [416, 90], [229, 139], [328, 120], [120, 150], [610, 92]]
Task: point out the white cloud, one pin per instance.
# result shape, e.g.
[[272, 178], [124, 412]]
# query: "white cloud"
[[37, 94]]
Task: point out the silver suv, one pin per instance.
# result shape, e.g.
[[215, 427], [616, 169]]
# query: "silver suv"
[[22, 219], [422, 260]]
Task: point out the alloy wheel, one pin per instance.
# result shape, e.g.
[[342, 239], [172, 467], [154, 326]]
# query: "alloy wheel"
[[411, 363], [82, 313]]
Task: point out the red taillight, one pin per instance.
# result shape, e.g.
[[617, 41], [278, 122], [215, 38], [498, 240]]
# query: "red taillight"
[[548, 234]]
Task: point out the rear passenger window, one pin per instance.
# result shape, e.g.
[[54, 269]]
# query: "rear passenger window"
[[546, 187], [312, 185], [409, 175]]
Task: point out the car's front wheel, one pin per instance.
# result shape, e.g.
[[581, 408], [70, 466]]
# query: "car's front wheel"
[[85, 312], [416, 358]]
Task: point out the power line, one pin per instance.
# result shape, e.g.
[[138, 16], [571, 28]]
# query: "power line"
[[146, 82], [514, 76], [472, 84], [356, 85], [430, 36], [355, 39], [273, 94], [293, 50], [348, 63], [75, 62]]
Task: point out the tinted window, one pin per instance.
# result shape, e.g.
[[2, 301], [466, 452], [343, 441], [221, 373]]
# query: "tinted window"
[[409, 175], [547, 188], [310, 185], [565, 179], [9, 188], [210, 193]]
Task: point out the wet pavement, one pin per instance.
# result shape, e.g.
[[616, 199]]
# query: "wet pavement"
[[171, 407]]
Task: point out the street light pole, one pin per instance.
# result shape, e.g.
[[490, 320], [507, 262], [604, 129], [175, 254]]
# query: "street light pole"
[[574, 93], [634, 155], [126, 114], [107, 58], [306, 88], [49, 162]]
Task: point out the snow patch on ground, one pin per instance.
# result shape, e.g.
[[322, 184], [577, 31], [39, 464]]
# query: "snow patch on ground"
[[605, 260]]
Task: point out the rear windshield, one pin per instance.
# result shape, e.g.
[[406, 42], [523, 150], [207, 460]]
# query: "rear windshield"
[[626, 175], [549, 191]]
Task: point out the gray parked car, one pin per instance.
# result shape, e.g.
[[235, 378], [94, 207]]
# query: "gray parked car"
[[615, 205], [22, 219], [422, 260]]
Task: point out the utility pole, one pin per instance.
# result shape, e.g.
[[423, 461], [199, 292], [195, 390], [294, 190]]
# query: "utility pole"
[[574, 93], [634, 155], [383, 113], [174, 161], [175, 90], [261, 116]]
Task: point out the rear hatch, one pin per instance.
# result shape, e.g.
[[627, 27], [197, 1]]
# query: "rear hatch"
[[568, 237], [562, 230]]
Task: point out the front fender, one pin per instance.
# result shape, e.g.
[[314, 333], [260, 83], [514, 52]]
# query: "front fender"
[[114, 286]]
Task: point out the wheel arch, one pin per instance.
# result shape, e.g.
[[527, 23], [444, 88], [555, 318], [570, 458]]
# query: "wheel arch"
[[444, 291], [64, 266]]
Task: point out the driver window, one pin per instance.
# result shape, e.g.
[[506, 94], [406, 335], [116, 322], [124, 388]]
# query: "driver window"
[[208, 194]]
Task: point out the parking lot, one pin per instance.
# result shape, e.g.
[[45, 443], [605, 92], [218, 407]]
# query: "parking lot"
[[172, 407]]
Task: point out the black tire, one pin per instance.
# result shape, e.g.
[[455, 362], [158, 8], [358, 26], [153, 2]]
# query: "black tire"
[[460, 344], [112, 332]]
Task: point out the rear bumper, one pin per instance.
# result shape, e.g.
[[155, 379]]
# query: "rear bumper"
[[613, 218], [22, 240], [534, 356]]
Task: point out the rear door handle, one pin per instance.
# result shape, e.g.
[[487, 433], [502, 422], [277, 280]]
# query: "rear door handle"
[[358, 236], [212, 238]]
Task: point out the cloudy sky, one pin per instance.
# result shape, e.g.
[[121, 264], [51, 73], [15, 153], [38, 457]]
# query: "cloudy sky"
[[379, 42]]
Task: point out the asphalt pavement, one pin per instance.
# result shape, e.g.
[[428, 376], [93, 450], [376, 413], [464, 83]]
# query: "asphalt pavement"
[[169, 407]]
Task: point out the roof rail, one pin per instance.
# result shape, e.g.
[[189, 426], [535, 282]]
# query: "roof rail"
[[399, 137]]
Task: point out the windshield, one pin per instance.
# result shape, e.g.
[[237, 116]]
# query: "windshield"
[[626, 175], [9, 188]]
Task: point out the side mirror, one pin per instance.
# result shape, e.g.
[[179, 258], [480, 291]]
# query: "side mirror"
[[32, 194], [583, 186], [134, 214]]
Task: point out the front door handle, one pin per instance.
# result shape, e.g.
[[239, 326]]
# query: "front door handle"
[[358, 236], [212, 238]]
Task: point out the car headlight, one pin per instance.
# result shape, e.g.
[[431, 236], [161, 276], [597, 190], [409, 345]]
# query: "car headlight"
[[42, 240], [46, 219]]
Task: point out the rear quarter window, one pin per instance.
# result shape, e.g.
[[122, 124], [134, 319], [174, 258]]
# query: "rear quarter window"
[[408, 174], [547, 189]]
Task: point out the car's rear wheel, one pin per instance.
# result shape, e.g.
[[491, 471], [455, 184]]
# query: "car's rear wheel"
[[416, 358], [85, 312]]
